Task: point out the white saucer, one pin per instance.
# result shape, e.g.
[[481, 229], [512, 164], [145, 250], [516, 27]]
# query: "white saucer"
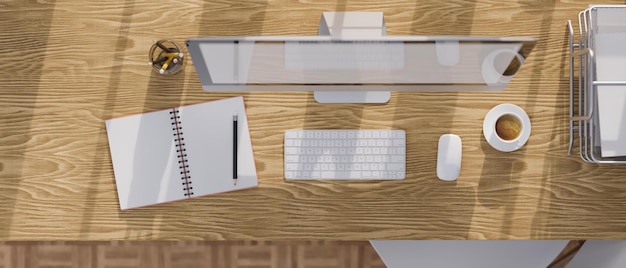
[[490, 122]]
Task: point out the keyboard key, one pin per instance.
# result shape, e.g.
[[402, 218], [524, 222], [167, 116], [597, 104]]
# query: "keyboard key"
[[292, 158], [397, 158], [395, 167], [291, 135], [290, 150], [293, 166]]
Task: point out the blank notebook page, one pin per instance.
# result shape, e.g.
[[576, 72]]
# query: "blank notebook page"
[[151, 168]]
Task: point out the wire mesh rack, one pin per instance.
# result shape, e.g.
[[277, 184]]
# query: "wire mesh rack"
[[584, 83]]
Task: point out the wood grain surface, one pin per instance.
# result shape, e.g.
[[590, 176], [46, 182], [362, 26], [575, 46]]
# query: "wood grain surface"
[[69, 65]]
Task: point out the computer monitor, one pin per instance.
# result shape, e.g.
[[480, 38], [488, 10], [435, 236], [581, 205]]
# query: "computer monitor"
[[360, 68]]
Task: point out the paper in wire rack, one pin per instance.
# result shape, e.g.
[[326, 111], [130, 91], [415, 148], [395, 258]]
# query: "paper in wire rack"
[[610, 54]]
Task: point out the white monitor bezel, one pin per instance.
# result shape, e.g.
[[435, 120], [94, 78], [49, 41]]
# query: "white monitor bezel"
[[193, 46]]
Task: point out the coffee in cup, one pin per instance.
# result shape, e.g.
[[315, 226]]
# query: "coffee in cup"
[[508, 127]]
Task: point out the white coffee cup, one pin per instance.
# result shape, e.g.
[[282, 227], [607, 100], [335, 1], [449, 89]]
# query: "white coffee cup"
[[506, 127]]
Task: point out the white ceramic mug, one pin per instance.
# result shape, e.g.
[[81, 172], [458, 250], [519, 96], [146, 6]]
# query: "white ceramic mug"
[[506, 127]]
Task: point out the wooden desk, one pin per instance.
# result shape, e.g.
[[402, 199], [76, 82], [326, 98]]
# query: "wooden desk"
[[68, 66]]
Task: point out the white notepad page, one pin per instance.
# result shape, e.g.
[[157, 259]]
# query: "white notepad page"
[[610, 54], [145, 158]]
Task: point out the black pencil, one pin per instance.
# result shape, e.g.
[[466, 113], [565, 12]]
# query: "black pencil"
[[235, 148]]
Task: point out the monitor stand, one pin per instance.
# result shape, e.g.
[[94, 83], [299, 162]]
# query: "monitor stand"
[[352, 24]]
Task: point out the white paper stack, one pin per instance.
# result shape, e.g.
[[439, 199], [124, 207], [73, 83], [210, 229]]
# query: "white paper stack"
[[610, 53]]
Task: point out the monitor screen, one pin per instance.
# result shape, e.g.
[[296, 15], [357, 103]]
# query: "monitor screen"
[[387, 63]]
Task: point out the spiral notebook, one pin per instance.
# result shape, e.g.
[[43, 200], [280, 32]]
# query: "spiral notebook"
[[180, 153]]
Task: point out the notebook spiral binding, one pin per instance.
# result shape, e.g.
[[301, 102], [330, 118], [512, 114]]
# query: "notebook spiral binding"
[[181, 151]]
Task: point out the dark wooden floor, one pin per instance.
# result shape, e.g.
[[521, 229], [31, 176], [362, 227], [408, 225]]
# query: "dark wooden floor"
[[188, 254]]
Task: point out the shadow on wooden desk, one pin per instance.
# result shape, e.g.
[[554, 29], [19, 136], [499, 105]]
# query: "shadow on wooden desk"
[[27, 43], [164, 91], [499, 183], [216, 20], [100, 163]]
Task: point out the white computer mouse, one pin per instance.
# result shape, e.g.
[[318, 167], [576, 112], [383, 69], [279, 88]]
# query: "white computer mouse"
[[449, 157]]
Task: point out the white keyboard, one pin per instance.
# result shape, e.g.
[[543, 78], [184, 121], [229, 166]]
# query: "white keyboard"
[[345, 154]]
